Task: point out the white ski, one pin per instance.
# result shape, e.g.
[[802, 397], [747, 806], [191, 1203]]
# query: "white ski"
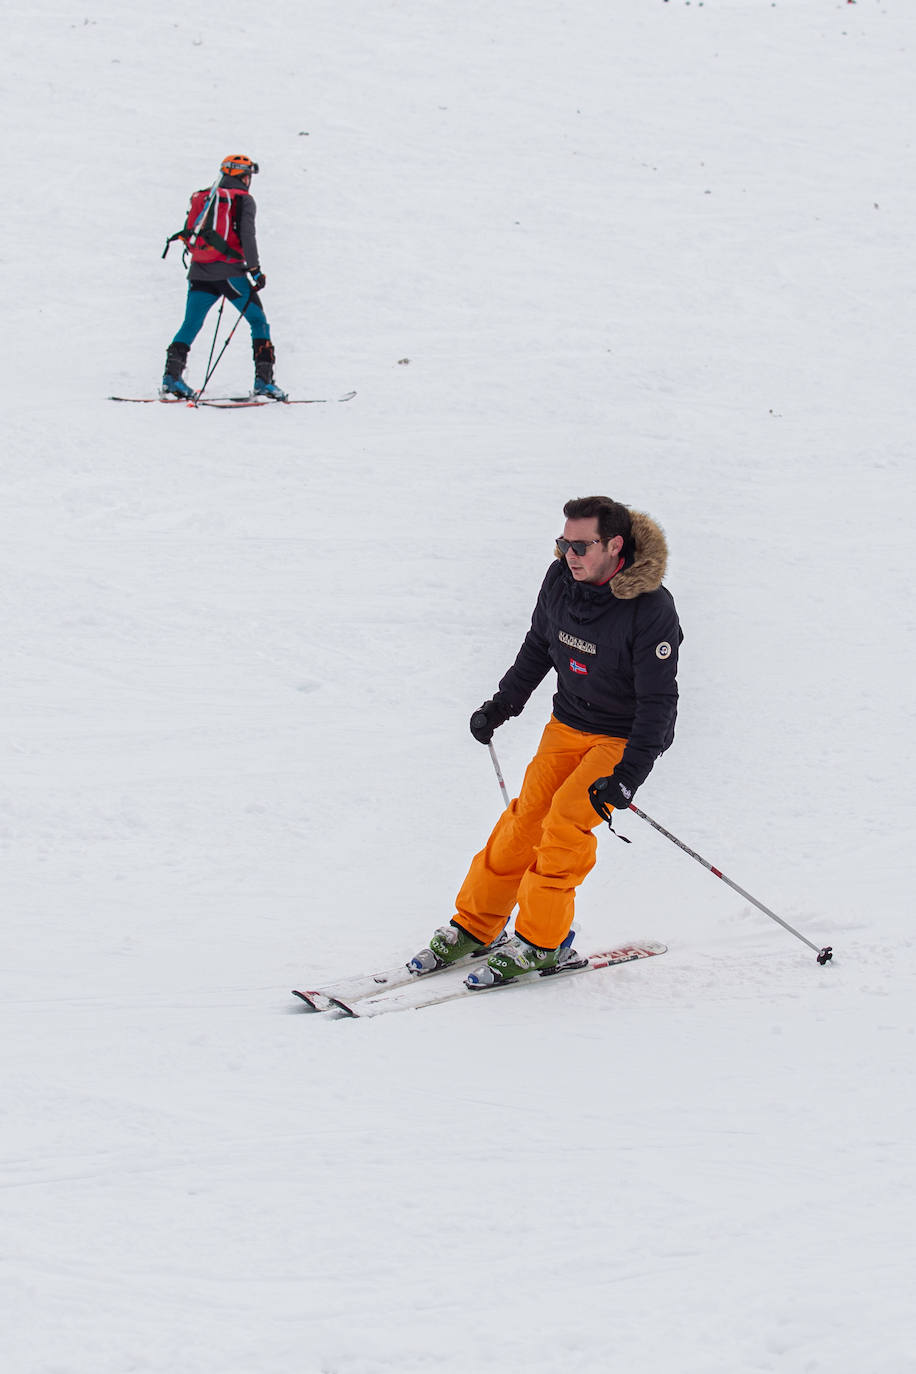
[[401, 998], [365, 984]]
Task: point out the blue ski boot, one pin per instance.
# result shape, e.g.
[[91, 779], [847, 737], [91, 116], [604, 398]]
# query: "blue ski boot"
[[175, 386], [264, 359], [172, 382], [269, 389]]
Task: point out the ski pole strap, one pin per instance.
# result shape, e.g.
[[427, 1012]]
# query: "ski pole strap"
[[607, 814], [610, 826]]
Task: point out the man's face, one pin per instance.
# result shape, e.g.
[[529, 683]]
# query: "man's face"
[[599, 561]]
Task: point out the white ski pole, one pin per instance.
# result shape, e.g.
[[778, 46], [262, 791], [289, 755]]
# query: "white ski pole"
[[499, 775], [823, 955]]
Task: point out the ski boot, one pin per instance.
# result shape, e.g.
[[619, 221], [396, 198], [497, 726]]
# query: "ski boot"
[[518, 956], [264, 359], [172, 382], [449, 944]]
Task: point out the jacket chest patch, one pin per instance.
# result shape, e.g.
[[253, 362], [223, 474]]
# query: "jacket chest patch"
[[576, 667], [572, 642]]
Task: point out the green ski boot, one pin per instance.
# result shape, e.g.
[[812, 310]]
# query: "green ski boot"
[[518, 956], [449, 944]]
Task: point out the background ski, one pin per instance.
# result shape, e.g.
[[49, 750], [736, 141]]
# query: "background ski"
[[409, 999], [232, 402], [364, 985]]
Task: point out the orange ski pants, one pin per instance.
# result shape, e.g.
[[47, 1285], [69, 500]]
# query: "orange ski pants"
[[542, 846]]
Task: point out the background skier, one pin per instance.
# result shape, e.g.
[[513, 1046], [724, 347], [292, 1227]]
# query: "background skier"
[[220, 239]]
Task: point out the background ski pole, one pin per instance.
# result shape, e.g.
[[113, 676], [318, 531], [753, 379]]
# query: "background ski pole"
[[211, 370], [219, 316], [823, 955], [499, 775]]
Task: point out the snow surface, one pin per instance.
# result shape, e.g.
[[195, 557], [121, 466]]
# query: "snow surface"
[[661, 250]]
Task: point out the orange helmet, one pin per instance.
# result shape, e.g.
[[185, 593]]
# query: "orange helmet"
[[237, 165]]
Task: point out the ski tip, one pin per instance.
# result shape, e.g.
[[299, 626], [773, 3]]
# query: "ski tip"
[[624, 954], [346, 1007], [313, 1000]]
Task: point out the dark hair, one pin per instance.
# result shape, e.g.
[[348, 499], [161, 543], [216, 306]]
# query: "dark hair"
[[613, 518]]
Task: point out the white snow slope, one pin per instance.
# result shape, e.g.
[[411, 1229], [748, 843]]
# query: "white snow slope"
[[659, 250]]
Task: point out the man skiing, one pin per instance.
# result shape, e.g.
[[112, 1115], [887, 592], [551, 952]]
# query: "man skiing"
[[606, 625], [219, 235]]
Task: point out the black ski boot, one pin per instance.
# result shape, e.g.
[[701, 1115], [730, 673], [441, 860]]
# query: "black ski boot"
[[264, 359]]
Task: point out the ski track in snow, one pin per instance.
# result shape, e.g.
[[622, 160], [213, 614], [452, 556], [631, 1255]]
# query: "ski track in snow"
[[661, 250]]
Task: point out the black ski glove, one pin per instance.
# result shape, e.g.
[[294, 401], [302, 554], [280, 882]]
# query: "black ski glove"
[[615, 792], [488, 718], [258, 279]]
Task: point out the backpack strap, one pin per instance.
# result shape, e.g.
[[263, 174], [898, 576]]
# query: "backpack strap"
[[179, 234], [214, 240]]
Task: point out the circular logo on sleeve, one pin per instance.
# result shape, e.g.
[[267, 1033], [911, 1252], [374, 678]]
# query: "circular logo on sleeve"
[[663, 650]]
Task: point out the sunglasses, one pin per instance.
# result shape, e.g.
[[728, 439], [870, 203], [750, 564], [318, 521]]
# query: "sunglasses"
[[580, 547]]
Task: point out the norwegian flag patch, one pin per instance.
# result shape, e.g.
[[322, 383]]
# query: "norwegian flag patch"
[[576, 667]]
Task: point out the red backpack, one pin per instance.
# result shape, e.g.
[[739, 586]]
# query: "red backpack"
[[210, 232]]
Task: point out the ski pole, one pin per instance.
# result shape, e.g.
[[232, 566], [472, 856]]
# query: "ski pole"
[[219, 316], [499, 775], [211, 370], [823, 955]]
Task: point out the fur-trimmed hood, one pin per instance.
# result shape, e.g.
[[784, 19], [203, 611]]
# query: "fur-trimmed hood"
[[645, 570]]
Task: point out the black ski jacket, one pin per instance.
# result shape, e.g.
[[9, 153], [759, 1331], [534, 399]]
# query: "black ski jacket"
[[614, 649]]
